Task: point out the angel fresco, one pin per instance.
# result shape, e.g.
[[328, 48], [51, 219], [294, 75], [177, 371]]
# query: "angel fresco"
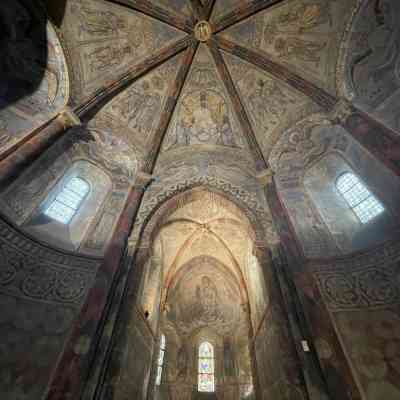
[[292, 47], [304, 17], [380, 62], [139, 107], [297, 20], [108, 56], [99, 23], [267, 101]]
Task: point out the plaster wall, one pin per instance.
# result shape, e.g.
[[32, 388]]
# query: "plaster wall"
[[85, 151], [41, 292], [361, 294]]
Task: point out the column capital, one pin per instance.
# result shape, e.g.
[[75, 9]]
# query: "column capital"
[[68, 118], [143, 179], [265, 176], [341, 111]]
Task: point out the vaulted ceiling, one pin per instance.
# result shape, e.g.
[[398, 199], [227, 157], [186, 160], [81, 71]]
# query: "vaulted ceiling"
[[251, 71]]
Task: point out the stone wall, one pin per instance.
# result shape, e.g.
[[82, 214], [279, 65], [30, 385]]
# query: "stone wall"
[[307, 160], [35, 81], [278, 368], [357, 299], [371, 61], [87, 150], [41, 292]]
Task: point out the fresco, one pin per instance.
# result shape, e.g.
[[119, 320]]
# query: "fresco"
[[307, 160], [176, 6], [204, 297], [105, 40], [271, 105], [136, 112], [203, 114], [371, 61], [107, 160], [36, 85], [302, 35], [362, 295], [41, 292], [222, 7]]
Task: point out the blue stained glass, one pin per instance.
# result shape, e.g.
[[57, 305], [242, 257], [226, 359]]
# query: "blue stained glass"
[[364, 204], [206, 365]]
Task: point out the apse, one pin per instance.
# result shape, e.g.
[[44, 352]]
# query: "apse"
[[205, 297], [199, 200]]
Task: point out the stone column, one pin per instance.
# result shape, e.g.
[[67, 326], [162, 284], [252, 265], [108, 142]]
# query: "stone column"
[[286, 257], [23, 156], [71, 371]]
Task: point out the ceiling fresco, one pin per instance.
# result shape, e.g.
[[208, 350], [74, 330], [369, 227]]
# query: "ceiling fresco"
[[135, 113], [105, 40], [271, 104], [203, 296], [203, 114], [302, 35], [177, 6], [371, 61], [209, 111], [36, 86], [223, 7]]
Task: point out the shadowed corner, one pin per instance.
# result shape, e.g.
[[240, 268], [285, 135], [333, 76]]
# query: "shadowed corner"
[[24, 47]]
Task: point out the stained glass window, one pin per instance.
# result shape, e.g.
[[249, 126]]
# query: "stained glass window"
[[206, 368], [68, 200], [160, 360], [364, 204]]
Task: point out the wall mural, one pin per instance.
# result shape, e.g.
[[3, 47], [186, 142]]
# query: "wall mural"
[[205, 296], [372, 61], [271, 105], [362, 295], [304, 35], [105, 40], [136, 112], [176, 6], [35, 87], [222, 7], [302, 156], [203, 114], [297, 149], [41, 291], [22, 199]]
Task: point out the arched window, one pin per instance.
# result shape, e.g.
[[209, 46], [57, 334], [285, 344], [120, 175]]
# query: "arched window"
[[160, 360], [68, 200], [364, 204], [206, 368]]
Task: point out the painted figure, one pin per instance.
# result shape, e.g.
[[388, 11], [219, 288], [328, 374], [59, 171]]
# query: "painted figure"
[[293, 47]]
